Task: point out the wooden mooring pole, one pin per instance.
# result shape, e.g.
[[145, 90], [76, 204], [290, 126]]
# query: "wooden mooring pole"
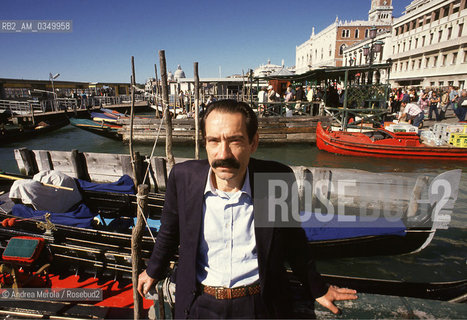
[[157, 93], [196, 110], [132, 115], [136, 240], [165, 104]]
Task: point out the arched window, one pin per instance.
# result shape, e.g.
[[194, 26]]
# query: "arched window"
[[341, 49]]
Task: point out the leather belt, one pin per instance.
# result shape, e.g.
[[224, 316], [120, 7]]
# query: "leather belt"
[[222, 293]]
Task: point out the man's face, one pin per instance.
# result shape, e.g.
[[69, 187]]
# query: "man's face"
[[228, 147]]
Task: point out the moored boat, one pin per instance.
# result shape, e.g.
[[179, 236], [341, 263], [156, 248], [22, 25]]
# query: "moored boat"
[[101, 128], [102, 122], [325, 239], [383, 143], [11, 133]]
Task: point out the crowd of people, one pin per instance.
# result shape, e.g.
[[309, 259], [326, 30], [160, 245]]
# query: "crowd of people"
[[412, 105]]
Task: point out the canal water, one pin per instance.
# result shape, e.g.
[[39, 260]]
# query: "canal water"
[[443, 260]]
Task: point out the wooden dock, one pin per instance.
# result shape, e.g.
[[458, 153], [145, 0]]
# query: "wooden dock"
[[297, 129]]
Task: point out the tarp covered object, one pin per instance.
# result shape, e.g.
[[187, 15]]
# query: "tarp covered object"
[[34, 192]]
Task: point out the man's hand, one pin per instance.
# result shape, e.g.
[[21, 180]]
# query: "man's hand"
[[144, 283], [335, 294]]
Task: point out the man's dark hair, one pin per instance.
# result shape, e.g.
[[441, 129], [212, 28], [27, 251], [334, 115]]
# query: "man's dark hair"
[[232, 106]]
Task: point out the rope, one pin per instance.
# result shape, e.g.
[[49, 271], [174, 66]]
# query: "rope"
[[145, 220], [149, 165]]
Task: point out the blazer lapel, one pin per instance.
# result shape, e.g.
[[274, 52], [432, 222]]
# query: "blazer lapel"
[[194, 201], [263, 235]]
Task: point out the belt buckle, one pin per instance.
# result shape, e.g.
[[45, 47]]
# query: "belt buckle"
[[223, 293], [217, 293]]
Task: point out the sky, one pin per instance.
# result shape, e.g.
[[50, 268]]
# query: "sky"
[[225, 37]]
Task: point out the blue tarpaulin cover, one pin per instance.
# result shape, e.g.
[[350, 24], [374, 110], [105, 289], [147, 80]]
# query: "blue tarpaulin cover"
[[80, 217], [330, 227], [123, 185]]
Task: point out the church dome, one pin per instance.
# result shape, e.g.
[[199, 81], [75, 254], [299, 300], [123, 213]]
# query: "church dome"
[[170, 76], [179, 73]]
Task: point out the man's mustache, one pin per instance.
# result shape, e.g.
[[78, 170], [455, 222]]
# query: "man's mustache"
[[226, 163]]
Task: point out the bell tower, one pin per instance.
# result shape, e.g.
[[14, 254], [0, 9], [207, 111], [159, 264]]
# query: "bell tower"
[[381, 11]]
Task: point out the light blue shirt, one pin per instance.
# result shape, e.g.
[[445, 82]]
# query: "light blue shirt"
[[227, 254]]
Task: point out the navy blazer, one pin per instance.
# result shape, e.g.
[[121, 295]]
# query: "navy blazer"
[[180, 229]]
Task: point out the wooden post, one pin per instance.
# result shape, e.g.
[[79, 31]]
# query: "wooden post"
[[157, 93], [346, 96], [165, 104], [32, 113], [243, 85], [196, 110], [175, 100], [27, 159], [132, 115], [79, 165], [136, 239]]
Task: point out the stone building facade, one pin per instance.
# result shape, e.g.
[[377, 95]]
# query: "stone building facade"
[[327, 47], [428, 44]]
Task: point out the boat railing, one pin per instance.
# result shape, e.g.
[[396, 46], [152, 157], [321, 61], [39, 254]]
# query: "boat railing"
[[21, 107], [122, 99]]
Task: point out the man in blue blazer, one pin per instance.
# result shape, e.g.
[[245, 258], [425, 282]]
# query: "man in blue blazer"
[[228, 267]]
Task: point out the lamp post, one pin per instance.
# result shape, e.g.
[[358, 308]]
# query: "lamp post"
[[52, 78], [370, 51]]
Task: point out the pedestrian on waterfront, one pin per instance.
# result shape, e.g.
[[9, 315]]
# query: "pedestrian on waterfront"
[[288, 95], [434, 104], [299, 97], [262, 99], [453, 99], [208, 207], [84, 99], [310, 97], [462, 105], [412, 113], [444, 104], [273, 97], [309, 93], [424, 102], [271, 94], [211, 99]]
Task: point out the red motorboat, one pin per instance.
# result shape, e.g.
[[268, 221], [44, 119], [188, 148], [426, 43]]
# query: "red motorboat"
[[383, 143]]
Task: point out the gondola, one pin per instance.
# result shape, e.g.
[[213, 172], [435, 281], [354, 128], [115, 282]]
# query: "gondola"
[[100, 257], [12, 133], [329, 239], [101, 122]]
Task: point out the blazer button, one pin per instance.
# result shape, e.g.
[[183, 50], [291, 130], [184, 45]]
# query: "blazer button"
[[193, 292], [186, 311]]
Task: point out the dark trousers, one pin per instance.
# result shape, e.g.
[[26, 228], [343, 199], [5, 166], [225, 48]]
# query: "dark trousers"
[[462, 112], [206, 306], [433, 108]]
